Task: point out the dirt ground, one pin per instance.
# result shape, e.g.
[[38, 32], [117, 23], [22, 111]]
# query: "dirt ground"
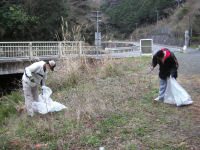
[[190, 79], [189, 76]]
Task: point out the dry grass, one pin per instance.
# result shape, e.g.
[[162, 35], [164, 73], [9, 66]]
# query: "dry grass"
[[192, 84], [72, 33], [110, 105]]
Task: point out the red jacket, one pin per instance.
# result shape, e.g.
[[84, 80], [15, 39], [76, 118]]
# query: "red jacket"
[[168, 67]]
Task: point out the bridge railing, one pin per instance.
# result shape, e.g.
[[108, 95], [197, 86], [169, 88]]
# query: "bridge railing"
[[61, 49], [41, 49], [70, 48], [31, 50], [14, 49], [132, 49], [93, 50]]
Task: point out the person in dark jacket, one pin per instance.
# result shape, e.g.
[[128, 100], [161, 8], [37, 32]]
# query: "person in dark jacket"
[[168, 67]]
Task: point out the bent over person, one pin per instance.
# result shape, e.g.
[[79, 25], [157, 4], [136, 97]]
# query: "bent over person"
[[168, 67], [35, 75]]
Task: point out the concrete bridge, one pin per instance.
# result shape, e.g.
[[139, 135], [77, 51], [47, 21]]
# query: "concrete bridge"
[[15, 56]]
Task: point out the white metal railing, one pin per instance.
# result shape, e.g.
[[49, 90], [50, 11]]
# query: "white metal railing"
[[14, 49], [134, 49], [39, 49], [44, 49], [93, 50], [123, 48], [60, 49]]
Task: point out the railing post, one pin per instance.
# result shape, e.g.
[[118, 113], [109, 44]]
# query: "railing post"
[[97, 50], [80, 44], [30, 51], [60, 49]]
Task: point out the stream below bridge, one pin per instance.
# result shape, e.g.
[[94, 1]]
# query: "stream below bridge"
[[9, 83]]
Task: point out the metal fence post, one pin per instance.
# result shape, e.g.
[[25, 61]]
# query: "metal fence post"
[[60, 49], [30, 51], [80, 44]]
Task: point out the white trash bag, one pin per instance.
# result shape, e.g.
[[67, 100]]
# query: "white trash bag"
[[176, 94], [46, 104]]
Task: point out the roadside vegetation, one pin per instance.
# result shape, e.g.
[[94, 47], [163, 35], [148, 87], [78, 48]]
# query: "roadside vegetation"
[[110, 104]]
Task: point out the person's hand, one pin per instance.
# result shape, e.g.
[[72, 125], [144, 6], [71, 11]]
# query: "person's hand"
[[32, 79], [41, 87], [151, 68]]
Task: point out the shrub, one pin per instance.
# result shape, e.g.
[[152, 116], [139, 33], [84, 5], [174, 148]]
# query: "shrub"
[[182, 12]]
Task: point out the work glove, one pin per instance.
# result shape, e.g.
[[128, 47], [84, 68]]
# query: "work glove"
[[32, 79]]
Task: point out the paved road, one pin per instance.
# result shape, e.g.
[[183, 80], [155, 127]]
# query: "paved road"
[[189, 62]]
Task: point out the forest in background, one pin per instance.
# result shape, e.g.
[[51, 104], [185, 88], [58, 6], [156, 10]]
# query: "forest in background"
[[31, 19], [125, 14], [127, 18], [41, 20], [35, 20]]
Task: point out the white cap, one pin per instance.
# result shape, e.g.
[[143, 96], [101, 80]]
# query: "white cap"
[[52, 64]]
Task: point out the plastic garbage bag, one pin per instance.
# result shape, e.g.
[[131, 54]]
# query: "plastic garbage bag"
[[176, 94], [46, 104]]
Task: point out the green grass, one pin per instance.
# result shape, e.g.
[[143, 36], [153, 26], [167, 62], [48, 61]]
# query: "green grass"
[[130, 147], [8, 106], [112, 70], [116, 112], [194, 46], [183, 52], [72, 80]]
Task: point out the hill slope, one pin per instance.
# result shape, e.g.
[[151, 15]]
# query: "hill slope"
[[140, 17], [171, 30]]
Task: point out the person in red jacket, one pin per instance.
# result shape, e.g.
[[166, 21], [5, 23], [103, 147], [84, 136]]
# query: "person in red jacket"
[[168, 67]]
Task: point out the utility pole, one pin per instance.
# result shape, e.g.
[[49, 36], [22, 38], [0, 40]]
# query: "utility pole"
[[96, 17], [157, 13], [106, 32], [178, 1], [178, 4], [190, 30], [136, 25]]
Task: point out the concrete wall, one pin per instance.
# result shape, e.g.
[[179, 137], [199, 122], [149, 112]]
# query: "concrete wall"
[[13, 67]]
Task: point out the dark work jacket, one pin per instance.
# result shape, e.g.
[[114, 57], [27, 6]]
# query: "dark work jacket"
[[169, 67]]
